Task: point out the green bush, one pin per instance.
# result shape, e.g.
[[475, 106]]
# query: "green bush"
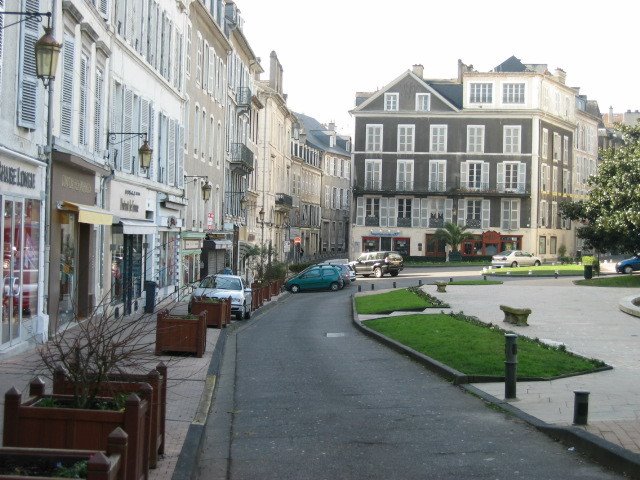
[[593, 261], [298, 267]]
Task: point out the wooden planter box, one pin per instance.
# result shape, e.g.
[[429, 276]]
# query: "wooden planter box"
[[217, 312], [266, 293], [256, 297], [26, 425], [131, 383], [99, 465], [181, 333], [275, 288]]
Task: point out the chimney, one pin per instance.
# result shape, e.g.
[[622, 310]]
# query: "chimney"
[[561, 75], [332, 127], [611, 114], [418, 70]]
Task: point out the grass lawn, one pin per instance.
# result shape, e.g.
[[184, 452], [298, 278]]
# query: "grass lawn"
[[475, 282], [414, 263], [395, 300], [475, 349], [620, 281], [542, 270]]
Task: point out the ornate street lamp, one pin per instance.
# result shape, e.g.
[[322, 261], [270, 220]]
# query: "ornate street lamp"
[[47, 51], [206, 190]]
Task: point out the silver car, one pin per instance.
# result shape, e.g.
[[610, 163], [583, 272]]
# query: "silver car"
[[515, 258], [225, 286]]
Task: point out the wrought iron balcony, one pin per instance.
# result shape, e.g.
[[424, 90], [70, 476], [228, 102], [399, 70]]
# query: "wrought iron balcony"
[[284, 200], [473, 223], [370, 221], [243, 97], [404, 222], [241, 158], [436, 222]]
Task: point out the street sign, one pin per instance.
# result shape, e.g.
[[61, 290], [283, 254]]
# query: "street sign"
[[297, 240], [286, 246], [210, 217]]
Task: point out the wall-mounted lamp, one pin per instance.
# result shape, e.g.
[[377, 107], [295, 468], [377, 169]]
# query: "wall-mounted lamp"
[[145, 152], [206, 186]]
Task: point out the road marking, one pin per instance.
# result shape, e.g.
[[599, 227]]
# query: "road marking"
[[334, 335]]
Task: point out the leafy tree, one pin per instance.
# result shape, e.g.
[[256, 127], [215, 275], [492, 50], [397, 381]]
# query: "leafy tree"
[[610, 216], [453, 235]]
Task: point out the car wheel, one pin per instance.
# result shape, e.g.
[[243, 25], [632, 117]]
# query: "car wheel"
[[247, 313], [628, 269], [295, 288], [394, 273], [377, 272], [334, 286], [536, 263], [240, 314], [514, 264]]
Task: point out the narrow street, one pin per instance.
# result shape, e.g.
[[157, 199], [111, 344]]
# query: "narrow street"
[[303, 395]]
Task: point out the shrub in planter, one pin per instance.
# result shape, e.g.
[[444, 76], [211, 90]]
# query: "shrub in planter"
[[218, 310], [181, 333], [23, 463], [51, 421]]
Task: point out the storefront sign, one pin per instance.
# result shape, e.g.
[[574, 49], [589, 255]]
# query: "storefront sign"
[[76, 184], [385, 233], [128, 201], [17, 176], [192, 245]]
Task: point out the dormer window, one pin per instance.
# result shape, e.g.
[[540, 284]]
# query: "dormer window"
[[481, 92], [423, 102], [391, 102]]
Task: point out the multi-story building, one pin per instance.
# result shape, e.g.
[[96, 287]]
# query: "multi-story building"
[[332, 235], [490, 151]]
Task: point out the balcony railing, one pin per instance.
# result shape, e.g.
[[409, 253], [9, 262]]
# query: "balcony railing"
[[284, 200], [371, 221], [404, 222], [436, 222], [404, 186], [473, 223], [243, 97], [241, 158]]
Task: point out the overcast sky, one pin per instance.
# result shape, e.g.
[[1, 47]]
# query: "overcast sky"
[[330, 49]]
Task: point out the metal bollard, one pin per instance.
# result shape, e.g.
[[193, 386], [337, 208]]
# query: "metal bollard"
[[359, 288], [373, 286], [450, 279], [580, 407], [394, 284], [419, 283], [485, 278], [510, 364]]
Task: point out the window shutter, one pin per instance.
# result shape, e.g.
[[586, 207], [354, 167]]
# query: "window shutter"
[[66, 103], [548, 177], [27, 80], [505, 214], [152, 141], [461, 208], [485, 176], [515, 214], [127, 126], [97, 112], [448, 210], [433, 175], [464, 175], [212, 69], [129, 16], [424, 211], [171, 153], [391, 213], [144, 124], [415, 213], [500, 176], [180, 154], [82, 114], [1, 40], [116, 124], [120, 17], [383, 212], [522, 176], [144, 27], [153, 35], [360, 211], [486, 213]]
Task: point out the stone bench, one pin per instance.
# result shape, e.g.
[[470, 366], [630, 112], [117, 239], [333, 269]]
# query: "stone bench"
[[515, 316], [442, 287]]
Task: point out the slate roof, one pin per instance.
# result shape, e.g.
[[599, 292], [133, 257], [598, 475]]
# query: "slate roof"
[[317, 137], [450, 90], [514, 65]]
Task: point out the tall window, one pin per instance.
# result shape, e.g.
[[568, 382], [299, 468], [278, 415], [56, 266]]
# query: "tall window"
[[374, 138], [511, 176], [565, 150], [404, 175], [511, 140], [97, 111], [557, 147], [437, 175], [545, 143], [196, 131], [474, 175], [475, 138], [481, 92], [544, 214], [510, 214], [404, 207], [438, 135], [513, 93], [406, 138], [423, 102], [566, 184], [554, 214], [372, 174], [391, 102], [372, 207], [545, 177], [554, 179]]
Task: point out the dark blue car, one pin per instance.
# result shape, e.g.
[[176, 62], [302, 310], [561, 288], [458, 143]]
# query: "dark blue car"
[[629, 265]]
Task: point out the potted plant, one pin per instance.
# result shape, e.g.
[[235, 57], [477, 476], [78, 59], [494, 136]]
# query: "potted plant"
[[453, 235], [218, 310], [181, 333]]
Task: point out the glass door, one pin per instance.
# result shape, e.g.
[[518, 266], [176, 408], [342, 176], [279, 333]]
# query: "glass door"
[[68, 267], [11, 270]]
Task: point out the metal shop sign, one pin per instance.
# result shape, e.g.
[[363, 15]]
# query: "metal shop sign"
[[17, 176]]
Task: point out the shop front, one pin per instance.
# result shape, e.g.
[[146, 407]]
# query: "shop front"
[[73, 257], [216, 253], [21, 182], [191, 253], [132, 232], [167, 248], [386, 241]]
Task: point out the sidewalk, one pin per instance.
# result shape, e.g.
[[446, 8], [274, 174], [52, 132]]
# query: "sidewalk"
[[190, 386], [588, 321]]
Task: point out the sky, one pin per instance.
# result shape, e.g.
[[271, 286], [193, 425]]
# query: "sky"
[[331, 49]]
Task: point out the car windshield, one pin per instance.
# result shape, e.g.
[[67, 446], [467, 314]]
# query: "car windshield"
[[223, 283], [505, 253]]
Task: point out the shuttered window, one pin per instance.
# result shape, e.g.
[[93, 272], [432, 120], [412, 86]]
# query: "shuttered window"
[[1, 40], [171, 152], [97, 111], [27, 80], [66, 103], [127, 126], [83, 110], [115, 152]]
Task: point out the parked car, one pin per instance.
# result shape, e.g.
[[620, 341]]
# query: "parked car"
[[348, 274], [378, 264], [515, 258], [225, 286], [317, 277], [629, 265]]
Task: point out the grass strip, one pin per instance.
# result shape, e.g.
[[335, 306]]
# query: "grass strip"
[[622, 281], [477, 263], [475, 348], [405, 299], [542, 270], [475, 282]]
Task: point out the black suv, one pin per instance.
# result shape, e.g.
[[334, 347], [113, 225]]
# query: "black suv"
[[378, 264]]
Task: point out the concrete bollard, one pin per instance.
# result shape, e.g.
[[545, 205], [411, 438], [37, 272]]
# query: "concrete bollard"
[[359, 288], [394, 284], [580, 407], [450, 279], [510, 365], [373, 286], [419, 283]]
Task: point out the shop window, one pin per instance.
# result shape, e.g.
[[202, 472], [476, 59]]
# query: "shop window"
[[542, 244], [553, 242]]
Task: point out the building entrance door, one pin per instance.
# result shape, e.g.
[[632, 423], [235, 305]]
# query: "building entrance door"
[[11, 270]]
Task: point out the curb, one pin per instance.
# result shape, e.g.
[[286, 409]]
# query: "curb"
[[602, 451]]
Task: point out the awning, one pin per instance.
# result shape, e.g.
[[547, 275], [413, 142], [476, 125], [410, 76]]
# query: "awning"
[[88, 213], [138, 227], [222, 244]]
